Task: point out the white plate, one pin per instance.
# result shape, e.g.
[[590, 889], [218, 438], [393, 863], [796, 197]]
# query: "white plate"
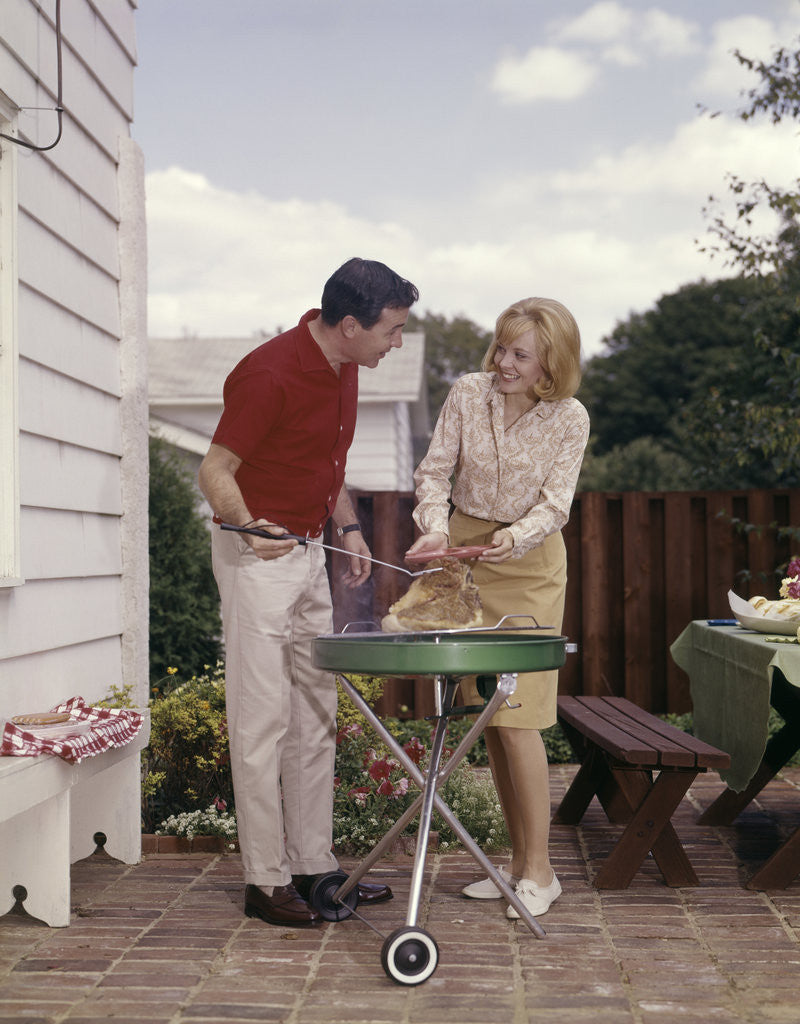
[[58, 730], [748, 617]]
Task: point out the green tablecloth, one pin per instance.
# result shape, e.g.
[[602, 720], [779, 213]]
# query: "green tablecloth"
[[730, 672]]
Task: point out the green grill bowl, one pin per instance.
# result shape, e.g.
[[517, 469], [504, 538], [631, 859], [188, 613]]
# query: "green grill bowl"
[[446, 654]]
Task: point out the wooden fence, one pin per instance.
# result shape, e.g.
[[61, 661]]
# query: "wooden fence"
[[641, 566]]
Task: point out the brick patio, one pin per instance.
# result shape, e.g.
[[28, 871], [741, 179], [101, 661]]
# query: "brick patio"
[[165, 940]]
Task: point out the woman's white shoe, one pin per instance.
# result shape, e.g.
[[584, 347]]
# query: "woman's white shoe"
[[486, 889], [536, 898]]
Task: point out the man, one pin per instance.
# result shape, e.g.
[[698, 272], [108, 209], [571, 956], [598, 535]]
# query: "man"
[[277, 460]]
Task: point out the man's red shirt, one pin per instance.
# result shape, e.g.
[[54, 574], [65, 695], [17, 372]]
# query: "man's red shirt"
[[290, 419]]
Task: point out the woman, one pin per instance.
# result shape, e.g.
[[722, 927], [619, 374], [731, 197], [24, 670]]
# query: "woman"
[[512, 439]]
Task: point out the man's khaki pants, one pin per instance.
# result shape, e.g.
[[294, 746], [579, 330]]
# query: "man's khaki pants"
[[281, 710]]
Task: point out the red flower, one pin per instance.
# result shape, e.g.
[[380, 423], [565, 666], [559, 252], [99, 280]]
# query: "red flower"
[[359, 795], [380, 769], [415, 749], [386, 788], [349, 731], [793, 568]]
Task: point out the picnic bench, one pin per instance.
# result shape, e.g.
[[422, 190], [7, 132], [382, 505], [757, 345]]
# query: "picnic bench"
[[639, 768], [53, 812]]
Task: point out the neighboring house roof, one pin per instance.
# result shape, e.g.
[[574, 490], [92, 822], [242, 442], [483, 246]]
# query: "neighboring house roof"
[[187, 374], [194, 369]]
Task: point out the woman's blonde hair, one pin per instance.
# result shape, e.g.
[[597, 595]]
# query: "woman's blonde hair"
[[558, 344]]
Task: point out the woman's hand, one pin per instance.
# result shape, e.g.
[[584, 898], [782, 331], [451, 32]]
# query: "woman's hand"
[[502, 546], [428, 542]]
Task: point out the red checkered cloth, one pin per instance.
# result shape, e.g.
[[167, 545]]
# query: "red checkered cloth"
[[111, 727]]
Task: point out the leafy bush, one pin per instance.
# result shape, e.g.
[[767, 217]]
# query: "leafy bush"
[[186, 767], [187, 763], [372, 791], [213, 821], [185, 625], [370, 688], [557, 745], [471, 796]]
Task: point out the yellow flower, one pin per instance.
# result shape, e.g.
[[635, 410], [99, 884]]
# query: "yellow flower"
[[172, 671]]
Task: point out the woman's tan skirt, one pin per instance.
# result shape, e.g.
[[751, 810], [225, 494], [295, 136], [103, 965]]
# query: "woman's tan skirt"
[[535, 585]]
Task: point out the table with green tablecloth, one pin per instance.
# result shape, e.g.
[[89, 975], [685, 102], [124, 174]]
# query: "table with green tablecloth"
[[735, 675]]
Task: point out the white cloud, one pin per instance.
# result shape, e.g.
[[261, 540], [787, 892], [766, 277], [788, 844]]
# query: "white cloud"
[[723, 75], [607, 32], [622, 35], [605, 22], [667, 34], [226, 263], [232, 263], [692, 163], [544, 72]]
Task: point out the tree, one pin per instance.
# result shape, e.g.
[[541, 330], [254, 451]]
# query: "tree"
[[452, 348], [643, 464], [658, 361], [184, 603], [769, 425], [713, 373]]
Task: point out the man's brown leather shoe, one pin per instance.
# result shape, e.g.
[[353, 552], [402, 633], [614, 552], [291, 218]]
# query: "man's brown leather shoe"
[[284, 906], [368, 892]]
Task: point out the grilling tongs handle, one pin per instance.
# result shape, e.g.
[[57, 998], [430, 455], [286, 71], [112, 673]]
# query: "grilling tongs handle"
[[259, 531]]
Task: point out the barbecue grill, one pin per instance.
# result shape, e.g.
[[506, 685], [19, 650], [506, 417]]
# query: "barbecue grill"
[[410, 954]]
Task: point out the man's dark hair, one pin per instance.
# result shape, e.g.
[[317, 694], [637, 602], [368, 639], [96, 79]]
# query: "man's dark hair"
[[363, 289]]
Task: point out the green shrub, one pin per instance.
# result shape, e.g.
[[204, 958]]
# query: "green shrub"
[[187, 763], [471, 796], [213, 821], [557, 745], [370, 688], [186, 767], [372, 791], [185, 624]]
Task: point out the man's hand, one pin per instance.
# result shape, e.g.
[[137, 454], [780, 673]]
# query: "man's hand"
[[267, 550], [359, 569]]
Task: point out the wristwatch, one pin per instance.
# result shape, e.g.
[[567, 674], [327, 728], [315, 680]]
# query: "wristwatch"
[[341, 530]]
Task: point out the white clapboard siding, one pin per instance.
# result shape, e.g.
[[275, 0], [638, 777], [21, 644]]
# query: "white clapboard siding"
[[50, 614], [103, 39], [379, 459], [96, 68], [64, 409], [67, 277], [59, 544], [43, 679], [58, 475], [64, 342], [70, 214]]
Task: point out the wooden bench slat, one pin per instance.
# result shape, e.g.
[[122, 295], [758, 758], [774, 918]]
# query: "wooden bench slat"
[[669, 750], [609, 717], [594, 727], [706, 755]]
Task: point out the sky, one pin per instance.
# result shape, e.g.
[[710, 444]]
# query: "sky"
[[487, 150]]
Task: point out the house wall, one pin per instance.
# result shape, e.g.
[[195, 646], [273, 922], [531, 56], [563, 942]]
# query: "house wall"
[[380, 458], [77, 622]]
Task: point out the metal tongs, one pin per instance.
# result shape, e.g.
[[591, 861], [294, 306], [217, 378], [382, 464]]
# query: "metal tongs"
[[302, 541]]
